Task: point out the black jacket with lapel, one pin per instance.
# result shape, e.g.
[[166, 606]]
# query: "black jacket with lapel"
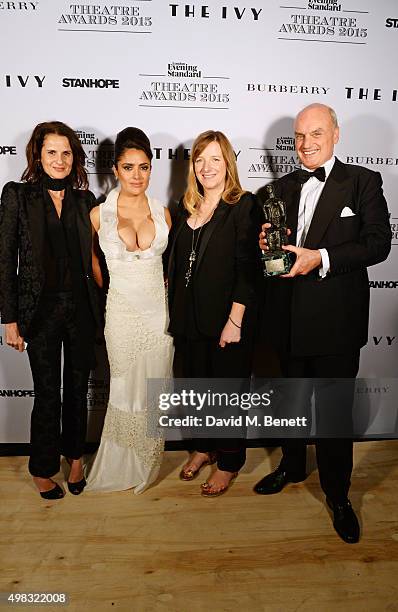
[[22, 235], [313, 316], [226, 266]]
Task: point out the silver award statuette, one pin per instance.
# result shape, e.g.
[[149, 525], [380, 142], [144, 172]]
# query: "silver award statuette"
[[275, 260]]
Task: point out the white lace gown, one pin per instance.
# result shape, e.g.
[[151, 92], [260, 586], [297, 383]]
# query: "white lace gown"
[[138, 348]]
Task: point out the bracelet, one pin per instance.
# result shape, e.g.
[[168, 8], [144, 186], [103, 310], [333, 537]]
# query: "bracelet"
[[233, 323]]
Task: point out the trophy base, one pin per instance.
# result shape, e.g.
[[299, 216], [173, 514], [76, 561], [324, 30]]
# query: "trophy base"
[[277, 262]]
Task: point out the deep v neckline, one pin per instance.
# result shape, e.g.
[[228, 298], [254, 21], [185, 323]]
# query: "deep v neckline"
[[138, 250]]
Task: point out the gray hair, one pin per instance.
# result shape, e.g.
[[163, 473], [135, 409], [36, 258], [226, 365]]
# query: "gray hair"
[[333, 116]]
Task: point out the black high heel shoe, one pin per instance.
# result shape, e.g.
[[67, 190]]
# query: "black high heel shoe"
[[55, 493], [75, 487]]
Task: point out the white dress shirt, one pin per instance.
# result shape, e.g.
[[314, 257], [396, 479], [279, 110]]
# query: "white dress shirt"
[[310, 194]]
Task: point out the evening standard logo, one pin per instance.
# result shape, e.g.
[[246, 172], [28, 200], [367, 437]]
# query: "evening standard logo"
[[8, 150], [383, 284], [371, 94], [91, 83], [105, 17], [99, 153], [284, 143], [324, 22], [17, 393], [184, 85], [324, 5], [19, 6], [182, 69], [205, 12], [87, 138], [288, 88], [273, 162]]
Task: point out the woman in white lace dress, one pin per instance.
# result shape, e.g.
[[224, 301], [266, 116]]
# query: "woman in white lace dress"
[[133, 232]]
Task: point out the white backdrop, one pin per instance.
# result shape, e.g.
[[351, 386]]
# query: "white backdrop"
[[176, 69]]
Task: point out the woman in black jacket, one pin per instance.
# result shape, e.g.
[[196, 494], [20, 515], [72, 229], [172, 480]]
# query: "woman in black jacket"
[[47, 296], [212, 267]]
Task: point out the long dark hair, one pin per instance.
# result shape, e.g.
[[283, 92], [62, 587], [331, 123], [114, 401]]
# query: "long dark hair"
[[34, 170]]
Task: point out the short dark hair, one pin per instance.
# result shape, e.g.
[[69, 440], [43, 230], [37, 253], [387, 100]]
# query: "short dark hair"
[[34, 170], [132, 138]]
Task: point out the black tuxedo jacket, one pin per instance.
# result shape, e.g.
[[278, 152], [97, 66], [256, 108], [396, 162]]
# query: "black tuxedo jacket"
[[313, 316], [22, 234], [226, 266]]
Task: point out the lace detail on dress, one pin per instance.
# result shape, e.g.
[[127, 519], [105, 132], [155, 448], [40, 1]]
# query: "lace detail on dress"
[[138, 349], [133, 431], [125, 348]]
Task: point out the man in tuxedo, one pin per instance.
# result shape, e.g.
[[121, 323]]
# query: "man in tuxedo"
[[339, 226]]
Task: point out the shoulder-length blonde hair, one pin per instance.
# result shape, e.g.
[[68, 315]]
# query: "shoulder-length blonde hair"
[[232, 190]]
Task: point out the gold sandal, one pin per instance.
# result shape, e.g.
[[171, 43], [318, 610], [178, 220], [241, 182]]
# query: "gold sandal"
[[207, 488], [191, 474]]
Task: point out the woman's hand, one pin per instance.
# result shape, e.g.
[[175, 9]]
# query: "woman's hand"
[[230, 333], [13, 338]]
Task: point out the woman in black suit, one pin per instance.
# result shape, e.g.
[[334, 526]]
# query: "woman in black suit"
[[212, 268], [47, 296]]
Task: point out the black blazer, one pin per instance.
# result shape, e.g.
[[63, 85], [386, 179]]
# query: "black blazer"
[[309, 316], [22, 231], [226, 266]]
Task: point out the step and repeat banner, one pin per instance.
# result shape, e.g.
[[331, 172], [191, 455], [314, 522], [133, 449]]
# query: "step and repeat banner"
[[176, 69]]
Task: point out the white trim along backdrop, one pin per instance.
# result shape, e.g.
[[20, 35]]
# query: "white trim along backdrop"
[[174, 69]]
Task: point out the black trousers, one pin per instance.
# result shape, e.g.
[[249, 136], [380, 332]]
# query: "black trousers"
[[334, 455], [57, 427], [204, 358]]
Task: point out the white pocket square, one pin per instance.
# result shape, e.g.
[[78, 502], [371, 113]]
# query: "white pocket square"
[[347, 212]]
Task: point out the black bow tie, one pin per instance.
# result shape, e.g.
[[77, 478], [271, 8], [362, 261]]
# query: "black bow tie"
[[303, 176]]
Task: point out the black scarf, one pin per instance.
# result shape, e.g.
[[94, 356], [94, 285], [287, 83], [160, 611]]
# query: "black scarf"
[[54, 184]]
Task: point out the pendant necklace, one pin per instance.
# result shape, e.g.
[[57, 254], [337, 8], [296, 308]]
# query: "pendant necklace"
[[194, 245]]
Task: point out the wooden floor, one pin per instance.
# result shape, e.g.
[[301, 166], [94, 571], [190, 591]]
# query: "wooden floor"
[[171, 550]]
